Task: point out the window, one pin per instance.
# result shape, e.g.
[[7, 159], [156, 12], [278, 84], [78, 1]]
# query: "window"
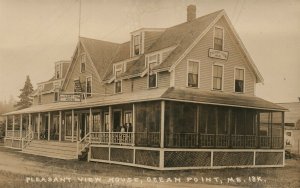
[[152, 61], [218, 39], [118, 86], [96, 122], [136, 45], [152, 77], [118, 69], [82, 63], [193, 74], [40, 99], [239, 80], [217, 77], [88, 86], [58, 71], [56, 96], [106, 121]]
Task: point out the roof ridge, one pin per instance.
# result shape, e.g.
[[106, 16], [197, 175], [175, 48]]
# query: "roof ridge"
[[99, 40]]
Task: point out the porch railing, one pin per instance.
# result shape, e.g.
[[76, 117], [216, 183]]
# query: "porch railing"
[[27, 139], [147, 139], [16, 133]]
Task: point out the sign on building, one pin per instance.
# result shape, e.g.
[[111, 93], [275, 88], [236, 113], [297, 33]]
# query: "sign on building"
[[217, 54], [69, 98]]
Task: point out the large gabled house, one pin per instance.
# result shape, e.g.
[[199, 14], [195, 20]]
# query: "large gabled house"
[[170, 98]]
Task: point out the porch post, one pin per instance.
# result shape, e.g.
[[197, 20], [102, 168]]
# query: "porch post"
[[282, 127], [21, 125], [271, 130], [13, 127], [90, 124], [133, 124], [72, 120], [258, 130], [59, 124], [38, 125], [6, 125], [162, 135], [29, 122], [109, 124], [49, 121], [109, 130]]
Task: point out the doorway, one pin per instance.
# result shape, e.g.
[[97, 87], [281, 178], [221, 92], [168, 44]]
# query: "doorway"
[[117, 120]]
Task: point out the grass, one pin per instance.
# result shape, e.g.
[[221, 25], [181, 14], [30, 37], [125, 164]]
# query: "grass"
[[274, 177]]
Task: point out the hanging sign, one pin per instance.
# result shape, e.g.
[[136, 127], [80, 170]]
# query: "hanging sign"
[[217, 54]]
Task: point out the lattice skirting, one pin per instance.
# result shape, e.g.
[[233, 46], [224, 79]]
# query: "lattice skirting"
[[121, 155], [269, 158], [147, 157], [187, 159], [101, 153], [8, 142], [16, 144], [233, 158]]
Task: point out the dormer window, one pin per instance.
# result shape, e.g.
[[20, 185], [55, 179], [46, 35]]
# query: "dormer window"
[[58, 71], [82, 63], [136, 45], [152, 61], [219, 38], [118, 70]]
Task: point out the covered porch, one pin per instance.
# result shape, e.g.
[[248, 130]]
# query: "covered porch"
[[166, 131]]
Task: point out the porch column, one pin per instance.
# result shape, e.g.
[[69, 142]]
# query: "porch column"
[[133, 124], [90, 124], [29, 122], [282, 127], [72, 120], [49, 121], [162, 135], [38, 125], [6, 125], [271, 130], [59, 124], [109, 123], [258, 130], [21, 125], [13, 127]]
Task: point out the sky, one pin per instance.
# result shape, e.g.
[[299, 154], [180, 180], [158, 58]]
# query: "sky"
[[36, 33]]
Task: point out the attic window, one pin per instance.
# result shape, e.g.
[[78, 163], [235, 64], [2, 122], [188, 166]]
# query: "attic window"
[[136, 45], [219, 38], [118, 69], [58, 71], [82, 63], [152, 59]]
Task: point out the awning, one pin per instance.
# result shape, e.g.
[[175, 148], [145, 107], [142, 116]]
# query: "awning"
[[172, 94]]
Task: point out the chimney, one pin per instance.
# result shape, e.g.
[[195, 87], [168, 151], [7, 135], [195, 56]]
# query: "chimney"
[[191, 12]]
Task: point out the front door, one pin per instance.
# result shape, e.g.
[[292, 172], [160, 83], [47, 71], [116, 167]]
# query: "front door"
[[117, 121], [82, 130]]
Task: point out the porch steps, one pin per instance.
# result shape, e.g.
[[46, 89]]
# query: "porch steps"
[[53, 149]]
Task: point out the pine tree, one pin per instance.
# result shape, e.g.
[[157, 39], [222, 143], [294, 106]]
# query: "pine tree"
[[25, 99]]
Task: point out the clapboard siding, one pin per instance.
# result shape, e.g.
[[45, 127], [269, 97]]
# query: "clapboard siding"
[[89, 71], [163, 79], [200, 53]]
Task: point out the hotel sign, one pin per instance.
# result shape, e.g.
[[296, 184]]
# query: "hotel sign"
[[218, 54], [69, 98]]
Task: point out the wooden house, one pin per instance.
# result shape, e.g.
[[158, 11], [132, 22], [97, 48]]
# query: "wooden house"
[[175, 98]]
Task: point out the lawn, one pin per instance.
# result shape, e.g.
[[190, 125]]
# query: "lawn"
[[23, 170]]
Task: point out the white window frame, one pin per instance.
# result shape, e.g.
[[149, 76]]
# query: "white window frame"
[[140, 44], [115, 83], [156, 74], [115, 69], [82, 62], [86, 79], [187, 72], [212, 77], [242, 68], [219, 27], [60, 70]]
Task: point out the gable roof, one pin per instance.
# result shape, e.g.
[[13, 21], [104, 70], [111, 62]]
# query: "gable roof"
[[101, 53]]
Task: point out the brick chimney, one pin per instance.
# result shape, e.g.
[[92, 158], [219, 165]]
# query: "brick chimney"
[[191, 12]]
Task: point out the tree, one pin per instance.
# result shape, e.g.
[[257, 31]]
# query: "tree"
[[25, 99]]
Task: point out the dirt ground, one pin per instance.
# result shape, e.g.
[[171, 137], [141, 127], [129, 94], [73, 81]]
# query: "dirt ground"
[[24, 170]]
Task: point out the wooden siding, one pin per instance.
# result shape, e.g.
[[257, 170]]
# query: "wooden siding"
[[163, 79], [235, 59], [89, 71], [45, 99], [150, 37]]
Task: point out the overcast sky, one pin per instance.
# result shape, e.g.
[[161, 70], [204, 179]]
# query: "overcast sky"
[[36, 33]]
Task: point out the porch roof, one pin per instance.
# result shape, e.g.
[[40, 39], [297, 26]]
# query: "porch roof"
[[220, 98], [174, 94]]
